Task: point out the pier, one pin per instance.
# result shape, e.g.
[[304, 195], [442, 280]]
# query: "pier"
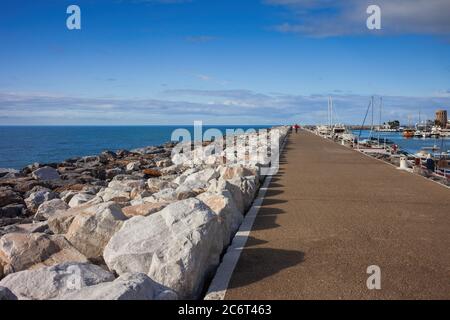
[[329, 214]]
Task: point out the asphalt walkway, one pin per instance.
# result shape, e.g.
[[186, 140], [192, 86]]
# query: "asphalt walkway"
[[329, 214]]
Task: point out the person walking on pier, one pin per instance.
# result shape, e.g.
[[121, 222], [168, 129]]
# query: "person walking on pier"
[[296, 127]]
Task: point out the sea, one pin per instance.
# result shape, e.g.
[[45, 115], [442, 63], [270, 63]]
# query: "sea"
[[24, 145]]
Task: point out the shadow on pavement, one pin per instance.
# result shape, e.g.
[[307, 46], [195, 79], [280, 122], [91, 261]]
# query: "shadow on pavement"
[[275, 260]]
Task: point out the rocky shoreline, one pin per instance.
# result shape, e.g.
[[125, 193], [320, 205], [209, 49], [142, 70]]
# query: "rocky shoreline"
[[149, 223]]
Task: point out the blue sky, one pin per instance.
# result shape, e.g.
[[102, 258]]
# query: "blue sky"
[[223, 62]]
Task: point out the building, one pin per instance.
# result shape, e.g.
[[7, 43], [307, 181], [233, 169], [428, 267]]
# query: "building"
[[441, 118]]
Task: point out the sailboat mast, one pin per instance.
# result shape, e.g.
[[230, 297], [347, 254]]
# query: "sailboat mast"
[[379, 124], [381, 108], [331, 114], [371, 126], [419, 117], [328, 111]]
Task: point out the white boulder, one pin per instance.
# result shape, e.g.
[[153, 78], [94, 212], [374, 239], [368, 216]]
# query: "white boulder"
[[229, 215], [91, 229], [67, 195], [37, 198], [110, 194], [129, 286], [185, 192], [50, 208], [45, 173], [51, 282], [203, 176], [167, 194], [242, 189], [144, 209], [134, 165], [20, 251], [164, 163], [79, 199], [178, 246], [157, 184]]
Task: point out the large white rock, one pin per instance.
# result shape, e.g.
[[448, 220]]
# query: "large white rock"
[[173, 169], [129, 286], [195, 183], [231, 172], [138, 194], [33, 227], [37, 198], [167, 194], [144, 209], [242, 189], [203, 176], [20, 251], [51, 282], [91, 229], [79, 199], [110, 194], [157, 184], [60, 222], [67, 195], [127, 185], [221, 185], [178, 247], [249, 187], [182, 177], [185, 191], [164, 163], [134, 165], [50, 208], [224, 206], [45, 173], [185, 160]]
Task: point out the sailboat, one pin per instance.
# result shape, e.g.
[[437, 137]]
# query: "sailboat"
[[326, 130], [372, 144], [337, 129]]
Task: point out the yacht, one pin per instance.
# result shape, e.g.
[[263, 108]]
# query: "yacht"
[[435, 132], [444, 132], [418, 134], [426, 134], [323, 130], [408, 133]]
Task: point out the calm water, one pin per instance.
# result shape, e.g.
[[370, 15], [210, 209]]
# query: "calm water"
[[411, 145], [23, 145]]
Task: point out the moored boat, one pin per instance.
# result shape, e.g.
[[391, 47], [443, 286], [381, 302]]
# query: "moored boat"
[[408, 133]]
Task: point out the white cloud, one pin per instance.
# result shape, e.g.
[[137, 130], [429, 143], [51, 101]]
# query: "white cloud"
[[204, 77], [215, 106], [200, 39], [323, 18]]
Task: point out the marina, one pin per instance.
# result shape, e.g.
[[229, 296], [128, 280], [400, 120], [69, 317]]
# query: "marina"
[[424, 150], [393, 147]]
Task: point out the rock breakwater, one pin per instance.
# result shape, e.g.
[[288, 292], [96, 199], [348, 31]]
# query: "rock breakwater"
[[150, 223]]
